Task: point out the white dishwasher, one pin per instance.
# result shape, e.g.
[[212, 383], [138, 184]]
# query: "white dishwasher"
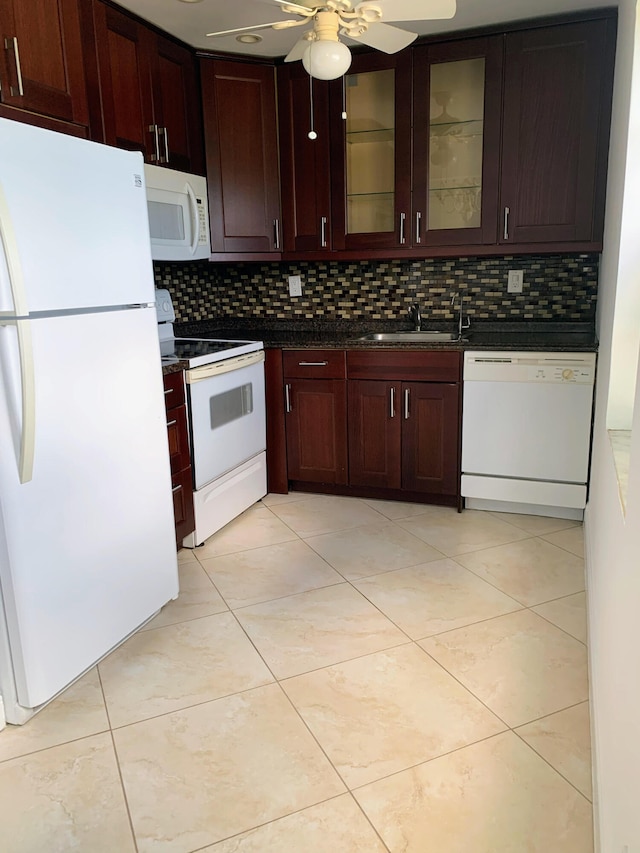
[[526, 431]]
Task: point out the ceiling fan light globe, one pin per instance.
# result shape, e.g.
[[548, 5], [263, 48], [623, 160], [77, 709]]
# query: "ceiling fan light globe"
[[326, 60]]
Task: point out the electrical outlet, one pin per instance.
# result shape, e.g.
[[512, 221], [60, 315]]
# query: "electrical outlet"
[[295, 285], [515, 281]]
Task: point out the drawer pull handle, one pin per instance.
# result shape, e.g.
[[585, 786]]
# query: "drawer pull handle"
[[169, 391], [313, 363], [176, 489], [171, 423]]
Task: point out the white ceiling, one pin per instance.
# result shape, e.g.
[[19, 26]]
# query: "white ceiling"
[[190, 21]]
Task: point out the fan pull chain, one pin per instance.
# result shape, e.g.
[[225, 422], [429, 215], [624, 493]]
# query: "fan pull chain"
[[344, 97], [312, 134]]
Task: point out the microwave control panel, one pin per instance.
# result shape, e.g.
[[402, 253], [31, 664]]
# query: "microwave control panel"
[[203, 237]]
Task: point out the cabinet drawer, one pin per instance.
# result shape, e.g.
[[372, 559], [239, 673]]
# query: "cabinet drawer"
[[178, 439], [173, 390], [405, 365], [314, 364]]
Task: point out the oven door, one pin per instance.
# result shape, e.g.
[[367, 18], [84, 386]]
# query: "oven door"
[[227, 415]]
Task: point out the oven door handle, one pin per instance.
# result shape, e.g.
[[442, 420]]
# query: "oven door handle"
[[198, 374]]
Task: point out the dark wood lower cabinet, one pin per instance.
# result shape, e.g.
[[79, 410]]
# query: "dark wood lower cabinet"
[[391, 428], [316, 426], [403, 435], [430, 446], [374, 434], [180, 459]]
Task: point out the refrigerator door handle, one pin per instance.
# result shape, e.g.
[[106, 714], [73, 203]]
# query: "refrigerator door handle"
[[10, 246], [196, 220], [28, 398]]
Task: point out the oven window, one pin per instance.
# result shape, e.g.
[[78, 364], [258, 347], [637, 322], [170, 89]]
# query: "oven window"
[[231, 405]]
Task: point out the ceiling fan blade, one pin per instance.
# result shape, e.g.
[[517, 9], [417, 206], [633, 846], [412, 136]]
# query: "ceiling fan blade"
[[297, 51], [250, 29], [385, 38], [416, 10], [293, 6]]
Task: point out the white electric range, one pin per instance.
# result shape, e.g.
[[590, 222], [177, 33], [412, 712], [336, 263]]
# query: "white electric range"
[[225, 394]]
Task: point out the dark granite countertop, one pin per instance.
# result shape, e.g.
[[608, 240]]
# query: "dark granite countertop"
[[293, 334]]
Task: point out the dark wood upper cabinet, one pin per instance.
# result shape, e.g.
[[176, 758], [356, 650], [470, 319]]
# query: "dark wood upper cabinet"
[[557, 107], [371, 153], [457, 105], [177, 104], [41, 67], [149, 93], [304, 162], [240, 122]]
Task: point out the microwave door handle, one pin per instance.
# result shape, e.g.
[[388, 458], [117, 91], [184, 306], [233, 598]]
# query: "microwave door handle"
[[195, 218]]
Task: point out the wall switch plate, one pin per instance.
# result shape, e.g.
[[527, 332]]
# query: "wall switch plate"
[[295, 285], [515, 281]]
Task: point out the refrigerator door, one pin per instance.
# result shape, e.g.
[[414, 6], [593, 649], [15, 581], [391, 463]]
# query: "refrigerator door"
[[73, 220], [87, 547]]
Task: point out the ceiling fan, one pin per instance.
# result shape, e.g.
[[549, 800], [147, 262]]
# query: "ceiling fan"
[[323, 55]]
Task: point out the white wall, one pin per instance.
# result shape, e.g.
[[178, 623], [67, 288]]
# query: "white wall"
[[613, 540]]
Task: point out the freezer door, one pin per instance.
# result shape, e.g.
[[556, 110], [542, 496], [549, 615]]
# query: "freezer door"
[[88, 549], [76, 215]]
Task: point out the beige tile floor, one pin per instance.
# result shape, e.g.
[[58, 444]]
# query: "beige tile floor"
[[337, 676]]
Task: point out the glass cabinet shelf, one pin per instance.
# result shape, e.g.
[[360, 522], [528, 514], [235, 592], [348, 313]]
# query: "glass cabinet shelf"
[[381, 134]]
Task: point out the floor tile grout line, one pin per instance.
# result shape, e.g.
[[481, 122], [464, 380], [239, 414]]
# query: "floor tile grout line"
[[207, 847], [369, 821], [124, 791], [555, 769], [555, 625]]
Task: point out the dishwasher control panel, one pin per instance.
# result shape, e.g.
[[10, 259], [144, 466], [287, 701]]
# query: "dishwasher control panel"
[[535, 367], [561, 373]]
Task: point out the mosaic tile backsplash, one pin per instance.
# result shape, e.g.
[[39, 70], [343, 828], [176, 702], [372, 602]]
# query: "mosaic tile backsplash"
[[556, 287]]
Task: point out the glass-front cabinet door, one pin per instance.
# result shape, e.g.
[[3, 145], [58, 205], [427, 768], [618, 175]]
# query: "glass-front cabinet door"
[[372, 190], [457, 95]]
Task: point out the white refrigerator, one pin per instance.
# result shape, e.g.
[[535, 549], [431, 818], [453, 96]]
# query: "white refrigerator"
[[87, 547]]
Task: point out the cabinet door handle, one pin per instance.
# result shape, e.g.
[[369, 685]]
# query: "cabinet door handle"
[[313, 363], [392, 402], [176, 489], [287, 398], [403, 219], [171, 423], [406, 404], [153, 128], [166, 144], [276, 233], [507, 211], [12, 44], [323, 232], [418, 227], [168, 391]]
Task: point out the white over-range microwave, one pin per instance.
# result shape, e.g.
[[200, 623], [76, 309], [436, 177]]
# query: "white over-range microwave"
[[178, 215]]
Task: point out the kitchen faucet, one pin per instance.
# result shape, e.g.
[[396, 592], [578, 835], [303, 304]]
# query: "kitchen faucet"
[[415, 316], [462, 324]]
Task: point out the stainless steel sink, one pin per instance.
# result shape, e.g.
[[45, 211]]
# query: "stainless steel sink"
[[417, 337]]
